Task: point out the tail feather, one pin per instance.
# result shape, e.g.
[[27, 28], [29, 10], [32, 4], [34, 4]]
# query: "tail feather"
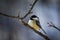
[[43, 30]]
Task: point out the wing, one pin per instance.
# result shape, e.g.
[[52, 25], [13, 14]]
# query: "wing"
[[38, 23]]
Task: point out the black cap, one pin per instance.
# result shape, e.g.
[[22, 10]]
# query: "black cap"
[[33, 16]]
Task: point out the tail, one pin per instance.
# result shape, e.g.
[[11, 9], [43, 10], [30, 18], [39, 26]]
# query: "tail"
[[43, 30]]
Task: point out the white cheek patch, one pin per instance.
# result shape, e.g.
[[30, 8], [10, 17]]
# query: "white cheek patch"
[[35, 18]]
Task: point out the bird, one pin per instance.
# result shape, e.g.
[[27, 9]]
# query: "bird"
[[34, 23]]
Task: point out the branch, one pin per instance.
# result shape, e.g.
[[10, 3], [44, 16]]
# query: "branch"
[[52, 25], [44, 36], [18, 16], [8, 15], [29, 12]]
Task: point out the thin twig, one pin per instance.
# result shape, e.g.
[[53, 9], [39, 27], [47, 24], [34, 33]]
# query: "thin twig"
[[25, 15], [8, 15], [52, 25], [30, 10]]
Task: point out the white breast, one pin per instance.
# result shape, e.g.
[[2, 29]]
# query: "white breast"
[[33, 24]]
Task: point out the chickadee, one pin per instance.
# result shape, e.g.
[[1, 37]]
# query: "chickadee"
[[34, 22]]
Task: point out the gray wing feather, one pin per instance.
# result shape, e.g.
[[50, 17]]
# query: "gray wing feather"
[[38, 23]]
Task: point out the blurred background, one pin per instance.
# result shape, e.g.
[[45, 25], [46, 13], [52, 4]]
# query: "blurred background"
[[46, 10]]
